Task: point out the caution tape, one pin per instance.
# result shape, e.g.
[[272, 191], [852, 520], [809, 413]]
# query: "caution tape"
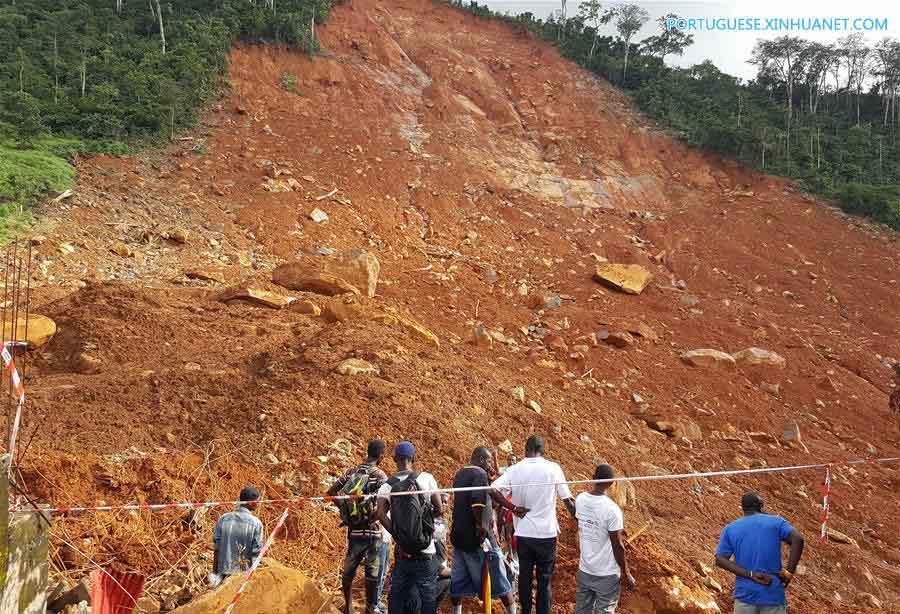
[[20, 395], [137, 507], [259, 558], [826, 503]]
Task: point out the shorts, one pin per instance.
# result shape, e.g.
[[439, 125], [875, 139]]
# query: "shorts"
[[467, 569], [363, 550], [748, 608]]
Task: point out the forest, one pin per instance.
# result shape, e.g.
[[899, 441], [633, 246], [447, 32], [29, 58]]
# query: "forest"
[[823, 115], [86, 76]]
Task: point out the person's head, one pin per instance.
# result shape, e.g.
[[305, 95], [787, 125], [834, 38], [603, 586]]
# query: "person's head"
[[375, 450], [511, 460], [534, 446], [404, 454], [752, 502], [603, 472], [481, 457], [249, 497]]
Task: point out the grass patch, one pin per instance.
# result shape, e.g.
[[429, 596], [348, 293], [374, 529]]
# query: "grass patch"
[[26, 176]]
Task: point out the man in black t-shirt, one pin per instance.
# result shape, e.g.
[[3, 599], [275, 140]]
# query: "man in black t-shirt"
[[474, 537]]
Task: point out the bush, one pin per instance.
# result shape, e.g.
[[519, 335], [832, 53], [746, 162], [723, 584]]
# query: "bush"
[[881, 203]]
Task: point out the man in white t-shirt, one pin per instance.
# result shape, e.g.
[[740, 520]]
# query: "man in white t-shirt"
[[602, 564], [413, 568], [536, 532]]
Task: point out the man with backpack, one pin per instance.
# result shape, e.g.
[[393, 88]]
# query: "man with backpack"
[[409, 518], [364, 535]]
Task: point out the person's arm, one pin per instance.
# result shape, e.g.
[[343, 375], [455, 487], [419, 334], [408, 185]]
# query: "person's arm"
[[725, 551], [506, 504], [337, 486], [618, 548], [257, 543], [562, 489], [217, 536], [382, 507], [797, 543]]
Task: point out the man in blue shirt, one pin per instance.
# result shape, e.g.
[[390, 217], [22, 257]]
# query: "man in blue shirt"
[[754, 542], [238, 538]]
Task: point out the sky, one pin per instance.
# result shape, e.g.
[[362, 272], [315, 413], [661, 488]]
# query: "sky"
[[730, 49]]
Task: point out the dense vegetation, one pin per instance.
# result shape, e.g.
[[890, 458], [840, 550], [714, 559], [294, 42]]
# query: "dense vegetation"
[[103, 75], [825, 115]]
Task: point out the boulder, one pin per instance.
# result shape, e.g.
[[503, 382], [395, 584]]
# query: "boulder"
[[40, 329], [841, 538], [275, 590], [180, 235], [642, 330], [355, 271], [120, 249], [206, 274], [708, 358], [87, 364], [305, 307], [619, 339], [257, 296], [357, 366], [297, 276], [628, 278], [759, 357], [392, 318]]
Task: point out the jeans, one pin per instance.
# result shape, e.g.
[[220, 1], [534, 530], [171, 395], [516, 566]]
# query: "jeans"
[[745, 608], [536, 553], [362, 551], [384, 555], [596, 594], [410, 577]]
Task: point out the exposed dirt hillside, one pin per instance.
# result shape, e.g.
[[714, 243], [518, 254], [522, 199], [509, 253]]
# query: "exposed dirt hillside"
[[489, 177]]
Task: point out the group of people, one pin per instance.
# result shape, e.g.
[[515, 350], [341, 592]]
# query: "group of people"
[[503, 526]]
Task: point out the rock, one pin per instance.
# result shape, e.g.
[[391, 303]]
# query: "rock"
[[708, 358], [678, 597], [826, 383], [841, 538], [624, 494], [619, 339], [642, 330], [689, 300], [272, 459], [870, 601], [712, 583], [759, 357], [773, 389], [556, 343], [518, 393], [761, 437], [318, 216], [506, 447], [345, 311], [120, 249], [305, 307], [87, 364], [147, 605], [357, 366], [703, 568], [628, 278], [675, 428], [257, 296], [354, 272], [391, 318], [208, 274], [40, 330], [180, 235], [534, 406], [480, 336]]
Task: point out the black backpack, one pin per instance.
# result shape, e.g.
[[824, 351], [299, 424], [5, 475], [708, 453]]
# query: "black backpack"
[[411, 515], [357, 513]]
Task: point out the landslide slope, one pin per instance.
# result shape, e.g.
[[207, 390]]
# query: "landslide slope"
[[489, 177]]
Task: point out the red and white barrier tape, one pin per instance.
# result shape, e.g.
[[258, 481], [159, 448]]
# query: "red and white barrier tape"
[[825, 504], [259, 558], [20, 395], [326, 498]]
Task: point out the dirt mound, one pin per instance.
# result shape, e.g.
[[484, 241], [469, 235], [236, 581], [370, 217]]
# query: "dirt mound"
[[275, 589], [489, 178]]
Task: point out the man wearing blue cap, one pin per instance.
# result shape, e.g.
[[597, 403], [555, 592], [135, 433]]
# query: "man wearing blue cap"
[[408, 515]]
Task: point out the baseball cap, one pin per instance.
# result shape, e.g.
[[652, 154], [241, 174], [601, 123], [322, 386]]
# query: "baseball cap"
[[405, 449]]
